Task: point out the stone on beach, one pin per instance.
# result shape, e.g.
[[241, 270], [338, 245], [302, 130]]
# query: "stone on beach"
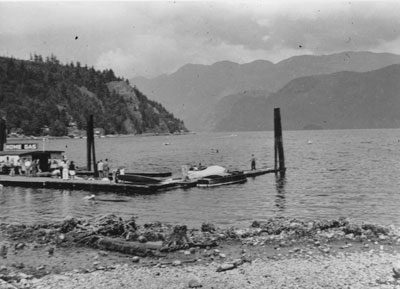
[[5, 285], [226, 266], [396, 269], [142, 239], [3, 251], [177, 263], [208, 227], [19, 246], [195, 283], [51, 251]]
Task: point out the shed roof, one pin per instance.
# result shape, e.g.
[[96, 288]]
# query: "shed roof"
[[11, 153], [38, 153]]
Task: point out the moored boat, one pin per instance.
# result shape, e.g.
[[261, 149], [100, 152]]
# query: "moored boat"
[[198, 173], [151, 174], [222, 179], [139, 179]]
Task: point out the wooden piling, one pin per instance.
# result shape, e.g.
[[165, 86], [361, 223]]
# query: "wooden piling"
[[3, 133], [91, 151], [89, 136], [96, 173], [278, 148]]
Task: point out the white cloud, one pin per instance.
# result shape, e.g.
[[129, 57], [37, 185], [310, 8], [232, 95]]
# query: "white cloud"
[[145, 55], [151, 38]]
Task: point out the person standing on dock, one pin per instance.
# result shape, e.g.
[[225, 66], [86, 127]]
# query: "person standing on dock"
[[106, 168], [72, 170], [28, 168], [100, 168], [23, 168], [253, 162], [33, 168], [64, 172]]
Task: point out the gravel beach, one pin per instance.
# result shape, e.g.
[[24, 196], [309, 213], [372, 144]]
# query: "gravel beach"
[[281, 253], [353, 270]]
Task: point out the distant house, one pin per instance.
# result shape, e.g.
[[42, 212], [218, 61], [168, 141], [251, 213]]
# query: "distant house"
[[45, 130], [99, 131]]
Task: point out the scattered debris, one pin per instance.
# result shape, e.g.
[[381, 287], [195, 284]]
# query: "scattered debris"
[[226, 266], [396, 269], [195, 283]]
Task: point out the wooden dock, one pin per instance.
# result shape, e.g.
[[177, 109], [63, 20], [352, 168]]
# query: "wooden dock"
[[262, 171], [89, 185], [105, 186]]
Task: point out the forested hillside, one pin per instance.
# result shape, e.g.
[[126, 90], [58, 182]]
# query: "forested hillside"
[[44, 93]]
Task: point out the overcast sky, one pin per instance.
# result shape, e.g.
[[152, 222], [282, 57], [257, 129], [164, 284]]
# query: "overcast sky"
[[152, 38]]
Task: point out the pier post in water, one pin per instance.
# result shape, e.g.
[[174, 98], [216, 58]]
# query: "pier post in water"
[[89, 135], [3, 133], [91, 152], [278, 148]]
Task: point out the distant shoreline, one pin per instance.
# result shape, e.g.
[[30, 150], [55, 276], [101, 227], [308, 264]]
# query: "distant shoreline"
[[103, 136]]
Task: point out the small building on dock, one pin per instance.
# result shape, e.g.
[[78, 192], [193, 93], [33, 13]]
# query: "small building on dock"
[[10, 158], [45, 158]]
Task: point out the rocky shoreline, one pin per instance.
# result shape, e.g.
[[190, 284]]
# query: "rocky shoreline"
[[91, 253]]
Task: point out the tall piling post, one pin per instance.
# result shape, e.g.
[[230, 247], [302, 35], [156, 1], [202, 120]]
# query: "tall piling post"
[[89, 137], [91, 151], [96, 173], [3, 133], [278, 148]]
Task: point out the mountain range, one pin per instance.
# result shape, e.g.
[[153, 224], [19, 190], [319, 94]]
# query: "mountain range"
[[228, 96], [342, 100]]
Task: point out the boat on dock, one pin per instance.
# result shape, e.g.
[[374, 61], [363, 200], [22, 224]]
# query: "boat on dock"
[[151, 174], [202, 172], [229, 178], [139, 179], [213, 176]]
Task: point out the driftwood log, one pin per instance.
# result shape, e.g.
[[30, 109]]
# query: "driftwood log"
[[128, 247]]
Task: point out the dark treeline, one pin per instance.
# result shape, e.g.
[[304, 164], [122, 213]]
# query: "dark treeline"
[[44, 93]]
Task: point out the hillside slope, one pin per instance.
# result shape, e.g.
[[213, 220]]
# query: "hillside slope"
[[342, 100], [38, 94]]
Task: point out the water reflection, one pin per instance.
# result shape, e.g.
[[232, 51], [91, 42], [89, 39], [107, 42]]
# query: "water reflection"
[[280, 201]]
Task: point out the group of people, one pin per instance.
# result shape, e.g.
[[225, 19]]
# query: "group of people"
[[65, 169], [103, 168], [62, 168], [19, 166]]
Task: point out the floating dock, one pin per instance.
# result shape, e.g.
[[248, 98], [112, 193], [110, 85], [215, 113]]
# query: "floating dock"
[[105, 186], [89, 185], [262, 171]]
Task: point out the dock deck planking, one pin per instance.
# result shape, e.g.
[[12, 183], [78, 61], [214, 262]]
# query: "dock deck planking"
[[262, 171], [82, 184], [99, 185]]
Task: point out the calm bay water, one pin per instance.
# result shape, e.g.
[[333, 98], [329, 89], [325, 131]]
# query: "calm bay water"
[[350, 173]]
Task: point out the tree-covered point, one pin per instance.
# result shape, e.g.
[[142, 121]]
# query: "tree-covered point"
[[44, 93]]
